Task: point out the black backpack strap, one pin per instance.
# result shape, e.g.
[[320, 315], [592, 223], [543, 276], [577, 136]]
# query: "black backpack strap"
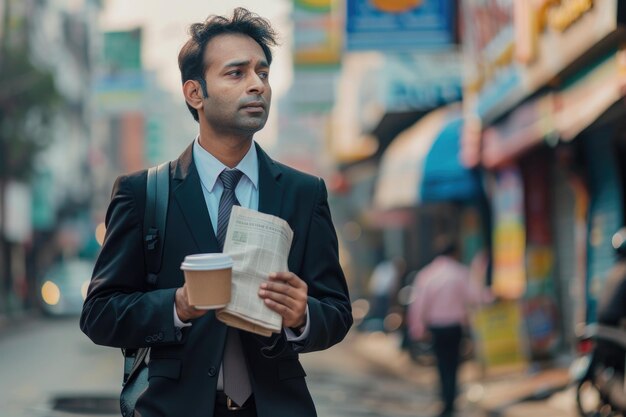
[[155, 217], [154, 220]]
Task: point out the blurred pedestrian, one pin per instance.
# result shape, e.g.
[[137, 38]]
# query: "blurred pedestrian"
[[225, 67], [383, 284], [442, 295]]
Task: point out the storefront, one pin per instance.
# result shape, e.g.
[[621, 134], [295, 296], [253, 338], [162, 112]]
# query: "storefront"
[[421, 173], [539, 80], [569, 213], [605, 210]]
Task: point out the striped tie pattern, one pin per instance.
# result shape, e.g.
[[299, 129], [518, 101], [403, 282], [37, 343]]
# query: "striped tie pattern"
[[230, 178], [235, 373]]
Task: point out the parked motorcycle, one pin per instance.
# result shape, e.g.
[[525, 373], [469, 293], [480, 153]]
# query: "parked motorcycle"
[[599, 372]]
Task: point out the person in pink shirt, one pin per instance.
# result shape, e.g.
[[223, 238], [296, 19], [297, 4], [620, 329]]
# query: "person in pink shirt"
[[442, 295]]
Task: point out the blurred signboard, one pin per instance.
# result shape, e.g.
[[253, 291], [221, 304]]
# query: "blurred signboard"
[[117, 93], [373, 83], [400, 24], [498, 330], [317, 33], [514, 47], [518, 131], [509, 237], [587, 97], [120, 83], [122, 50], [560, 114], [420, 81]]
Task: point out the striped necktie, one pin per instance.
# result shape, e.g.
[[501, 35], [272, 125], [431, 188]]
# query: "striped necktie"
[[230, 178], [235, 372]]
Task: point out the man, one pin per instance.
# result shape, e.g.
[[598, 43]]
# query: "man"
[[442, 293], [225, 74]]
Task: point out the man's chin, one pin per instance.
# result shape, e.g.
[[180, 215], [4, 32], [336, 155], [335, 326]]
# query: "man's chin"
[[253, 125]]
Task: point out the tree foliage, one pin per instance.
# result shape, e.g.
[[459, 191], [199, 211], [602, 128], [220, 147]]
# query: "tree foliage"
[[28, 102]]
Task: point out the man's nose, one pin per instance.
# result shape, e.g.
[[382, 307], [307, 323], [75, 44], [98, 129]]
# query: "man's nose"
[[257, 86]]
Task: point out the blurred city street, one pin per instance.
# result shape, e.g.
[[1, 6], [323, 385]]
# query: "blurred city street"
[[473, 158], [47, 359], [43, 359]]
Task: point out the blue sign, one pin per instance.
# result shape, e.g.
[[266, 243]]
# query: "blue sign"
[[400, 25], [412, 82]]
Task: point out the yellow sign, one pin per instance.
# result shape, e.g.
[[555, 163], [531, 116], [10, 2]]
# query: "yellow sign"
[[498, 335], [396, 6], [509, 276], [567, 12], [532, 19]]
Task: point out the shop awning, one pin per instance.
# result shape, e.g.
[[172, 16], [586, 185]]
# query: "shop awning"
[[445, 177], [423, 164]]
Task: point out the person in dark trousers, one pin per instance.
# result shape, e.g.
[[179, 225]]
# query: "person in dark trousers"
[[442, 295], [225, 68]]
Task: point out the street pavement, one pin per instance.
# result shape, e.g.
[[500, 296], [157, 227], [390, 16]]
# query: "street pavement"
[[345, 383], [513, 393], [43, 359], [364, 376]]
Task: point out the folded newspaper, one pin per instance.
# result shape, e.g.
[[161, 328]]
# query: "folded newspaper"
[[259, 244]]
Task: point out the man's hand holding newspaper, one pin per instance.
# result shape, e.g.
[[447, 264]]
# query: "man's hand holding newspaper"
[[265, 296]]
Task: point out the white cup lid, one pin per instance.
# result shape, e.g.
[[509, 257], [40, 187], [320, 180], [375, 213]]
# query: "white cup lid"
[[204, 261]]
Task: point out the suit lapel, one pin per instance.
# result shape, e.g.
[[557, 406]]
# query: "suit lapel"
[[190, 199], [270, 190]]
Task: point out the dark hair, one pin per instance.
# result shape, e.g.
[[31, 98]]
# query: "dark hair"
[[445, 246], [191, 55]]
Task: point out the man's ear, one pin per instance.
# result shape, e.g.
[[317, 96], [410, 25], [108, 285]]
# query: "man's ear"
[[193, 94]]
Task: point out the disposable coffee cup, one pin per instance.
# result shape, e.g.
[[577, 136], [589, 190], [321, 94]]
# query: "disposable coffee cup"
[[208, 277]]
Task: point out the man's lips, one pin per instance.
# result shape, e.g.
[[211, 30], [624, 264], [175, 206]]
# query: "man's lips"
[[254, 105]]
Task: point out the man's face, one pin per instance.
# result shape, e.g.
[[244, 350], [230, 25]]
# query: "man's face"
[[237, 81]]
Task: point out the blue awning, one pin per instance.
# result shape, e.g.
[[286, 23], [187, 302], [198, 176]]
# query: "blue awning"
[[423, 164], [444, 177]]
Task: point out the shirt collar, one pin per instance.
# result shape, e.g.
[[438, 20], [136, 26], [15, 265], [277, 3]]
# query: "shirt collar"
[[209, 167]]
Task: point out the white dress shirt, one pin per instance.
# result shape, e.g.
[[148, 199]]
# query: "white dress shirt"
[[247, 192]]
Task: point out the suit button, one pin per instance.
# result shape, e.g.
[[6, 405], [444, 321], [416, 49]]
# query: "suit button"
[[212, 371], [149, 339]]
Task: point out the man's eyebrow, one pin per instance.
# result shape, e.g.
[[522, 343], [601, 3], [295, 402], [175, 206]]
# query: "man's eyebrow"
[[243, 63]]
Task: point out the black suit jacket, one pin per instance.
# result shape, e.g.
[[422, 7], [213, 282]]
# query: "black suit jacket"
[[122, 310]]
